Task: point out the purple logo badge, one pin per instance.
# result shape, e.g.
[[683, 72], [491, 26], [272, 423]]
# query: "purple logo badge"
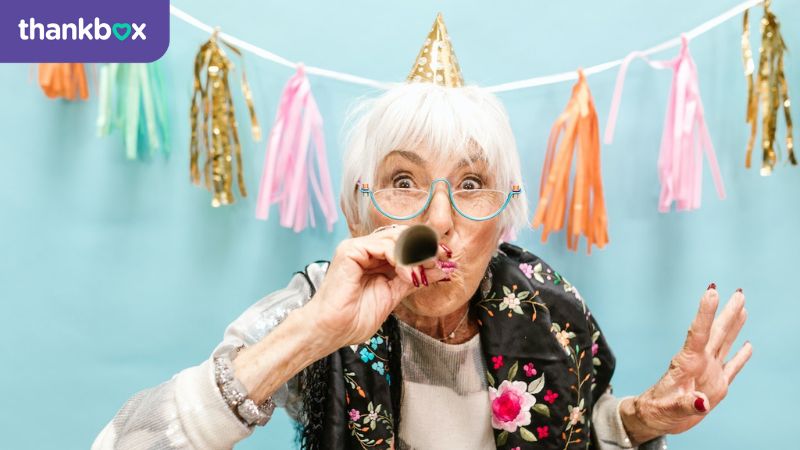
[[83, 31]]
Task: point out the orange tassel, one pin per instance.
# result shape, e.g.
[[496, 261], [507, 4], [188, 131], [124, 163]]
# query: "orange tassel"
[[63, 80], [577, 126]]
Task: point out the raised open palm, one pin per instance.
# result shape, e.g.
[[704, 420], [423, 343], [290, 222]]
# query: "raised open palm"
[[698, 376]]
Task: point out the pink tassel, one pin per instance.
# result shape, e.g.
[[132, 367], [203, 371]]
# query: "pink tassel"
[[685, 136], [288, 169]]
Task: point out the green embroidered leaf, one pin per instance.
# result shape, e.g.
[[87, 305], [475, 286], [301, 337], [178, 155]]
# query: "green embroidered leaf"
[[542, 409], [490, 378], [512, 372], [526, 434], [502, 438], [595, 335], [518, 310], [536, 385], [502, 306], [506, 290], [522, 295], [596, 361]]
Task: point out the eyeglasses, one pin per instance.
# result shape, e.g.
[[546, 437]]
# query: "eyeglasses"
[[407, 203]]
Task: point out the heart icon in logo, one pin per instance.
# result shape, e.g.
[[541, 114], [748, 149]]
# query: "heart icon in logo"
[[121, 30]]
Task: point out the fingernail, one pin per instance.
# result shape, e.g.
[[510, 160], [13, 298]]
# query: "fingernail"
[[699, 404], [422, 275], [712, 286], [739, 290], [447, 250]]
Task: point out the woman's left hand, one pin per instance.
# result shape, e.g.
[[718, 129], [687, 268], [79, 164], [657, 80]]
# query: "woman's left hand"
[[698, 376]]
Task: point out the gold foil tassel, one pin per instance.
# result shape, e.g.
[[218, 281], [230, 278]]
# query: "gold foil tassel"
[[767, 90], [220, 138]]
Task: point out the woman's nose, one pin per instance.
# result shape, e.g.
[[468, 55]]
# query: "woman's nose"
[[440, 212]]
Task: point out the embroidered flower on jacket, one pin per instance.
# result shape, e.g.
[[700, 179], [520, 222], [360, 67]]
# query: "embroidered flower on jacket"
[[595, 348], [527, 269], [543, 432], [354, 414], [375, 341], [510, 301], [529, 369], [575, 414], [377, 366], [563, 338], [550, 396], [511, 404], [366, 355], [497, 361]]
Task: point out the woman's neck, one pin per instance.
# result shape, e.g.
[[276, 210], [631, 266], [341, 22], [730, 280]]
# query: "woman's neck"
[[440, 327]]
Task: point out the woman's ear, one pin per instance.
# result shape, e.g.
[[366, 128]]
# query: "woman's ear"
[[352, 223]]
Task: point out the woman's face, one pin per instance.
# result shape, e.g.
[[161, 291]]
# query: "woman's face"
[[472, 242]]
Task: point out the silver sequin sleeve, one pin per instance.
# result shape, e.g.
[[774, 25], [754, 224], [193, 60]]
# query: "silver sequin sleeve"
[[187, 411]]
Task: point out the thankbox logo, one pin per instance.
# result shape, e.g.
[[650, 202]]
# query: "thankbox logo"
[[83, 31], [97, 30]]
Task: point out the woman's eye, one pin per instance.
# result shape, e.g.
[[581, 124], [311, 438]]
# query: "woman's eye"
[[471, 183], [403, 182]]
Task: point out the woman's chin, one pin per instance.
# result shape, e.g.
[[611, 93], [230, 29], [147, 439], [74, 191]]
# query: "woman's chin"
[[432, 303]]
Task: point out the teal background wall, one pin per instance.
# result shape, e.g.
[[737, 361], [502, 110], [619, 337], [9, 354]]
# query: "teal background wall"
[[114, 275]]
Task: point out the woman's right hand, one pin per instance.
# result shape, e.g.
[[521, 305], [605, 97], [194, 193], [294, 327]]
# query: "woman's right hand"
[[363, 285]]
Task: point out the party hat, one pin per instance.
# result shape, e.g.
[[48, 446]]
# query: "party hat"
[[436, 62]]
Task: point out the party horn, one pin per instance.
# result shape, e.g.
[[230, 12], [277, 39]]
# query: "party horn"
[[416, 244]]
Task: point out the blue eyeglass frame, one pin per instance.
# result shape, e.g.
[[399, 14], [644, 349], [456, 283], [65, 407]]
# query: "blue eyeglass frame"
[[366, 190]]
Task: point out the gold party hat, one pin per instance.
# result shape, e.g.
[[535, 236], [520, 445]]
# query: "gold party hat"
[[436, 62]]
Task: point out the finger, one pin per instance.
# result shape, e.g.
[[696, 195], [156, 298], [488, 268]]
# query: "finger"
[[733, 332], [725, 322], [681, 405], [697, 336], [732, 367]]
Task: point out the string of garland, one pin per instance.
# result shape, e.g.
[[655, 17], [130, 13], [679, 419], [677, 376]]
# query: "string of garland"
[[214, 129]]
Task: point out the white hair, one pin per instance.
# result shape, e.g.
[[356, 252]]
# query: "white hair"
[[450, 122]]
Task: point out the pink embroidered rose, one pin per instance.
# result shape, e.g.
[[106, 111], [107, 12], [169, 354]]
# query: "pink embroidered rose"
[[543, 432], [529, 369], [497, 361], [511, 405], [354, 415], [595, 347], [550, 396]]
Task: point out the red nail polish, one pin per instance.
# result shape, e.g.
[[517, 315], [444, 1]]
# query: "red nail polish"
[[414, 279], [739, 290], [712, 286], [447, 250], [699, 404], [422, 275]]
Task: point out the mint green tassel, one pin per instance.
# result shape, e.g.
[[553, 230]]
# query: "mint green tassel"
[[131, 98]]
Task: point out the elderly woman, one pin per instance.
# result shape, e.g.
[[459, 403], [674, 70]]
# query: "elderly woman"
[[483, 346]]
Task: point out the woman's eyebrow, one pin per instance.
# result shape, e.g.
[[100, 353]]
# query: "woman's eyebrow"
[[418, 160], [411, 156]]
